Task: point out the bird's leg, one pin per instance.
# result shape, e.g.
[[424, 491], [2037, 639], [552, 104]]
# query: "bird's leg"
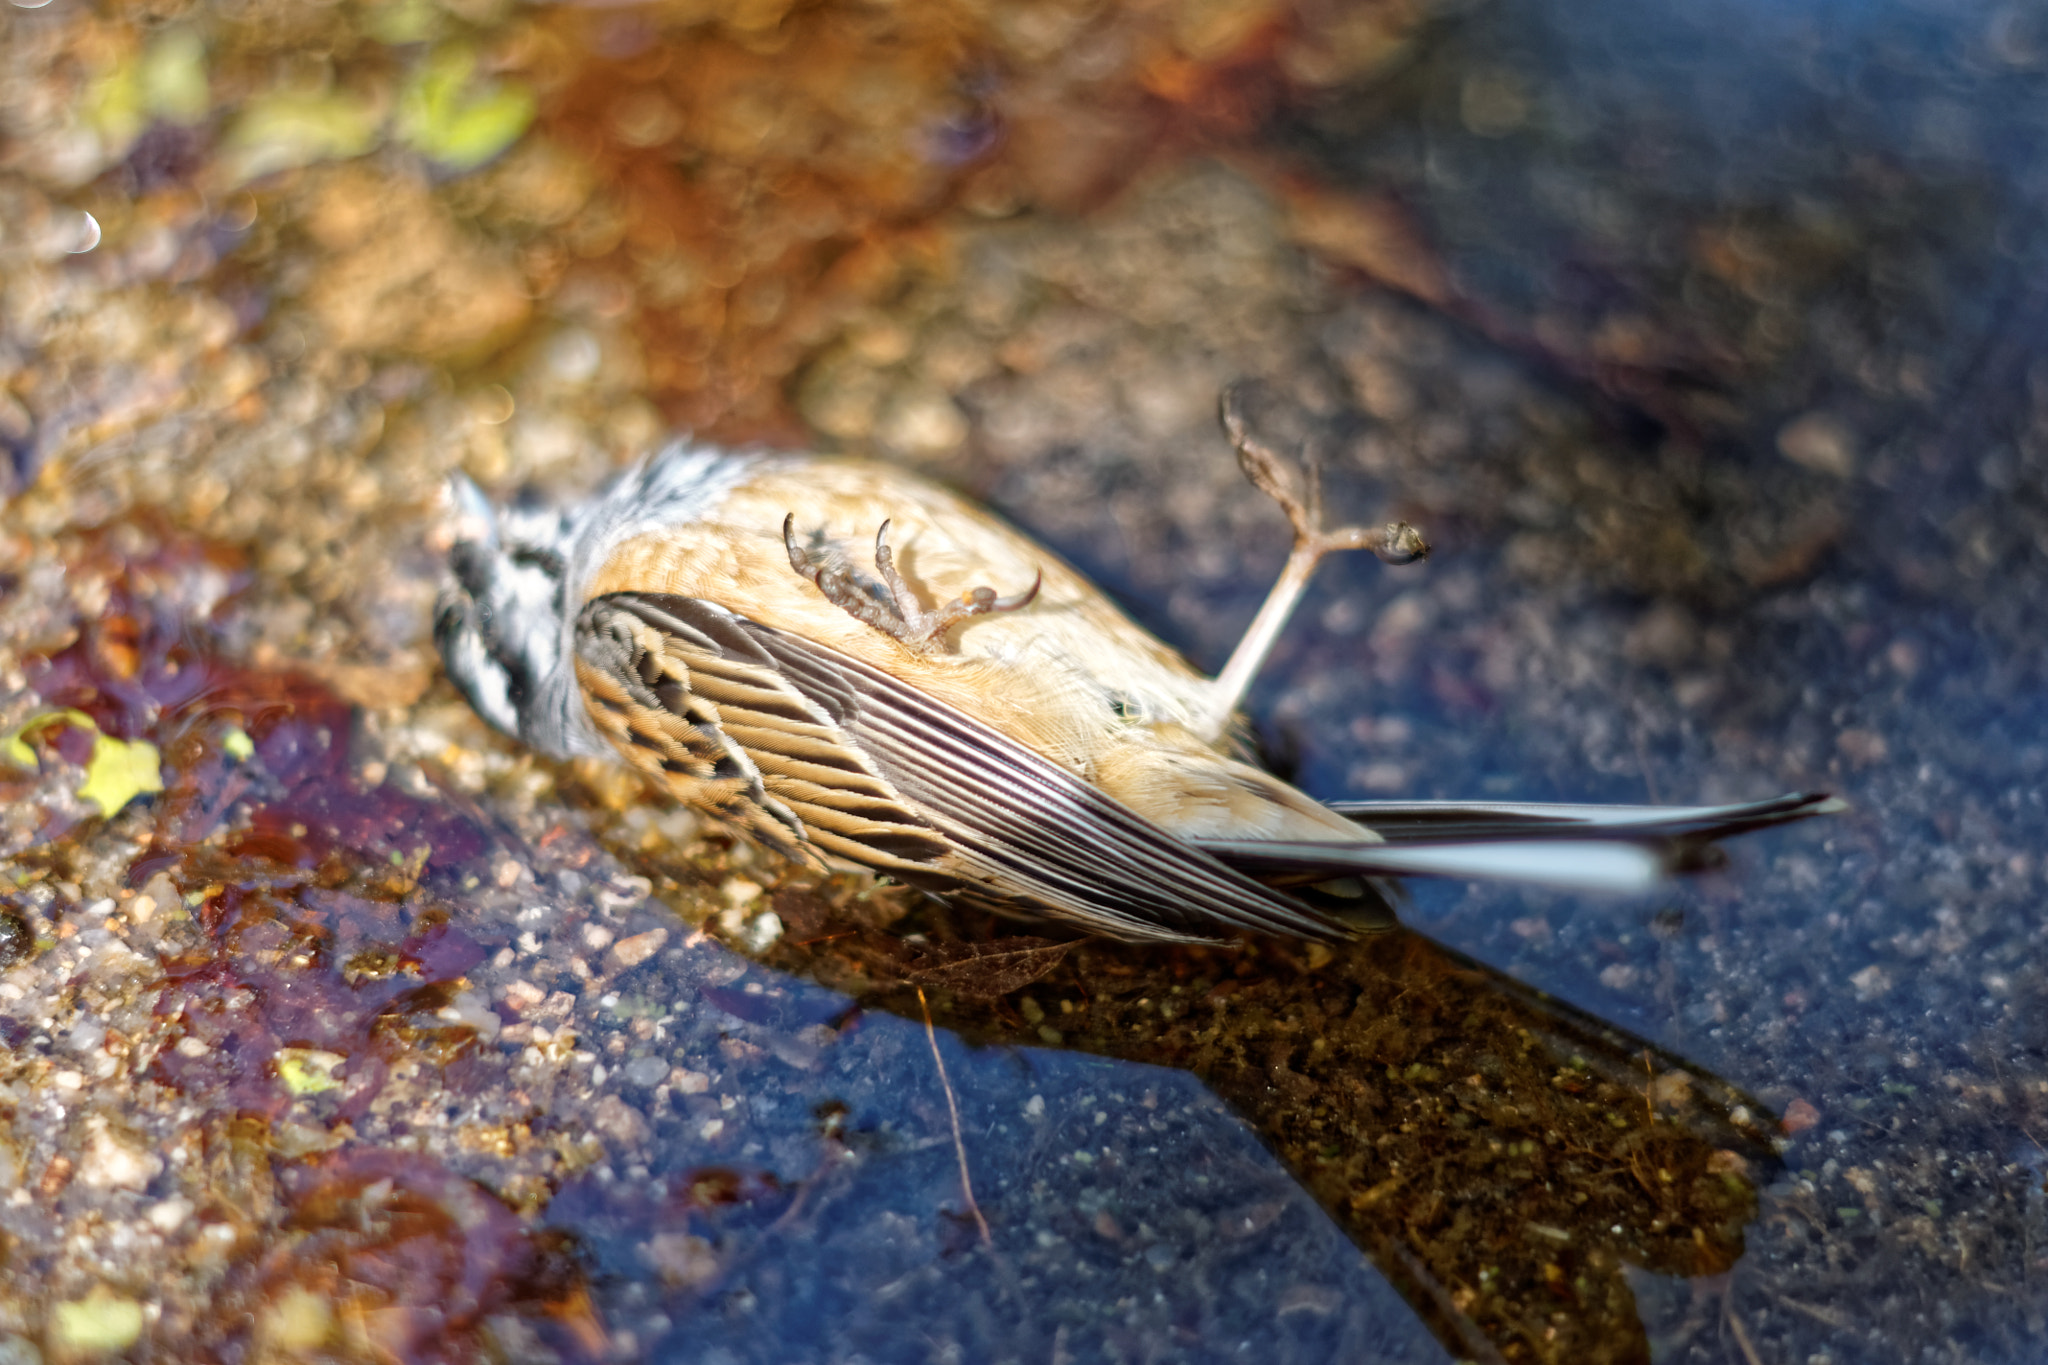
[[895, 611], [1299, 494]]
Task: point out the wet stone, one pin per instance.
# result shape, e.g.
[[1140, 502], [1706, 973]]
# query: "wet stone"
[[16, 940], [647, 1072]]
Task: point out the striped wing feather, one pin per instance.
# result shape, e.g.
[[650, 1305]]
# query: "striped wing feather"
[[878, 773], [692, 702], [640, 698]]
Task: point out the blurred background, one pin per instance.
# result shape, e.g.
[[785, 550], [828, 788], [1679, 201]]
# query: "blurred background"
[[1705, 340]]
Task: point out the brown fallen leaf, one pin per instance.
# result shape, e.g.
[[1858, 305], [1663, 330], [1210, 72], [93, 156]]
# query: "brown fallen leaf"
[[983, 971]]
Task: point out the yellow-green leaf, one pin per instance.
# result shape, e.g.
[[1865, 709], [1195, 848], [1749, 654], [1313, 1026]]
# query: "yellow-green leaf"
[[14, 749], [282, 130], [166, 80], [401, 23], [238, 744], [119, 771], [113, 104], [450, 116], [307, 1071], [297, 1322], [100, 1323], [172, 75]]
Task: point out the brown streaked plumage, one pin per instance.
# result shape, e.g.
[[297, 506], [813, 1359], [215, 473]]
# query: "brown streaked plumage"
[[706, 619]]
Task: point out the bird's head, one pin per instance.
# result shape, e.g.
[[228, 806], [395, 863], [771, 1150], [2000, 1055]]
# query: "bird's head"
[[500, 622]]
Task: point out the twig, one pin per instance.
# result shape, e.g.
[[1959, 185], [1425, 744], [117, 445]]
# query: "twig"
[[1635, 733], [953, 1108], [1735, 1324]]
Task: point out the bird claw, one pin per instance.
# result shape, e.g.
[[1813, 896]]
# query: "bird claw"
[[1299, 492], [1401, 543], [893, 609]]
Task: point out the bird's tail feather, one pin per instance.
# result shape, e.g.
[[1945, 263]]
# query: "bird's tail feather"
[[1605, 848]]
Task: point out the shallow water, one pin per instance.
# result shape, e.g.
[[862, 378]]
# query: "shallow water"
[[1702, 341]]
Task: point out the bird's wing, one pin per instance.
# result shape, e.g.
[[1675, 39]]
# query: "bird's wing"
[[644, 696], [1604, 848], [879, 773]]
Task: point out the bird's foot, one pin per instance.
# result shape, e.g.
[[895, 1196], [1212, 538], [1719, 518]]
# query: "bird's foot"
[[893, 608], [1299, 491]]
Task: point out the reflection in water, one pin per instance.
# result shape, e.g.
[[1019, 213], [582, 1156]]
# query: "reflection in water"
[[1502, 1157]]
